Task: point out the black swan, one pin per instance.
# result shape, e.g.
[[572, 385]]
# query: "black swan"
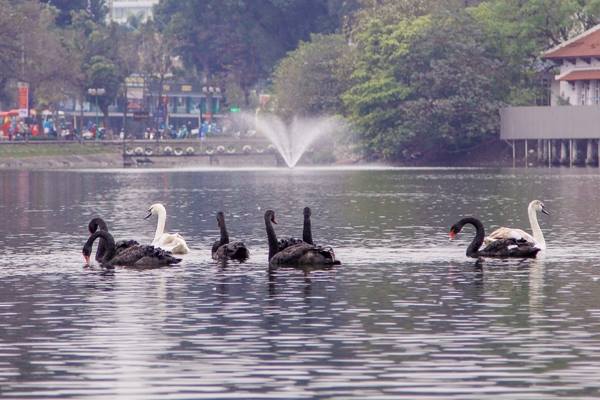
[[500, 248], [302, 254], [137, 255], [224, 250], [98, 223]]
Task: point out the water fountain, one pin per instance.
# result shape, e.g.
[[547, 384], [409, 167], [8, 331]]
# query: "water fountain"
[[294, 139]]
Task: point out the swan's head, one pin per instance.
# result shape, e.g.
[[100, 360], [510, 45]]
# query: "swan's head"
[[95, 224], [538, 206], [87, 251], [454, 230], [220, 218], [307, 212], [155, 209], [270, 216]]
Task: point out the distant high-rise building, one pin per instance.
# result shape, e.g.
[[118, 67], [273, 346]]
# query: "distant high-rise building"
[[121, 10]]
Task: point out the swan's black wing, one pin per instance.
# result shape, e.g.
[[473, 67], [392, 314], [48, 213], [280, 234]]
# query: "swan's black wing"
[[305, 254], [509, 248], [284, 243], [215, 247], [144, 255], [232, 251], [119, 247], [125, 244]]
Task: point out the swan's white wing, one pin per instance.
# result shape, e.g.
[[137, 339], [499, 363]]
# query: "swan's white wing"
[[509, 233], [174, 243]]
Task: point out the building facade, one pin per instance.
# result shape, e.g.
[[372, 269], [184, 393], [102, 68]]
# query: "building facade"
[[568, 130], [121, 10], [146, 103], [578, 80]]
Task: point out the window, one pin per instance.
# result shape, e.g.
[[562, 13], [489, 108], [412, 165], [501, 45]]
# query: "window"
[[585, 93]]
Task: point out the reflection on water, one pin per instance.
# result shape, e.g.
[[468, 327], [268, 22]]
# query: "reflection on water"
[[406, 316]]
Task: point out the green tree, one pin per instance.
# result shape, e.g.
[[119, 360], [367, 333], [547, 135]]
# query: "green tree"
[[97, 10], [105, 56], [374, 100], [102, 72], [240, 40], [520, 31], [311, 79], [425, 84], [32, 50], [156, 59]]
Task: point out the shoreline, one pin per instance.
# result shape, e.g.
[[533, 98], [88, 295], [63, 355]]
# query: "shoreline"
[[82, 161], [110, 155]]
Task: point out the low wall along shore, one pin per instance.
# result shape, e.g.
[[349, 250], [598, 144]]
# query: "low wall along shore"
[[230, 152]]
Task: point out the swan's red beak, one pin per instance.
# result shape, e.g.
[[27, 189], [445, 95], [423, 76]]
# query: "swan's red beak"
[[273, 221], [452, 235], [87, 259]]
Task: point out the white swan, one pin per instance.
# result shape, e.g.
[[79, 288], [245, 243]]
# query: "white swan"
[[510, 233], [172, 242]]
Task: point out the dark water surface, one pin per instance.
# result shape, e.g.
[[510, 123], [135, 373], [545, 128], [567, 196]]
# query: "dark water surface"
[[406, 316]]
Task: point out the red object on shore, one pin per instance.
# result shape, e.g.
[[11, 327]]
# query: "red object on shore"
[[5, 120]]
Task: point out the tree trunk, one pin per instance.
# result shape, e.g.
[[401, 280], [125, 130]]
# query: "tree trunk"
[[104, 119], [126, 105], [80, 126]]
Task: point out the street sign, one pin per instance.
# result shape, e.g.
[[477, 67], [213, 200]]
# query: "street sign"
[[234, 109], [139, 115], [23, 89]]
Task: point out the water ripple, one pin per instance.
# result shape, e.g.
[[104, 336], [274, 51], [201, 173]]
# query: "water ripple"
[[408, 315]]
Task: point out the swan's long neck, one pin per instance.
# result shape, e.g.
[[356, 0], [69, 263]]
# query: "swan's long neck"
[[272, 238], [224, 234], [109, 242], [473, 249], [307, 231], [101, 250], [160, 226], [538, 236]]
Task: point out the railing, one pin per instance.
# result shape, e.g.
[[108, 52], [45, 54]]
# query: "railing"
[[221, 146]]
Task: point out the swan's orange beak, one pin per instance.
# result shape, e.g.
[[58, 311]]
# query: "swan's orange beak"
[[452, 235], [87, 259]]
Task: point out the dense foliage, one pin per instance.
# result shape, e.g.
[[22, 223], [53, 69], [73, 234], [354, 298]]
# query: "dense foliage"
[[416, 77], [428, 78], [428, 84], [312, 78], [241, 40]]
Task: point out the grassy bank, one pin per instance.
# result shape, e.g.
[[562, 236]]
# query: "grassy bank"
[[26, 150]]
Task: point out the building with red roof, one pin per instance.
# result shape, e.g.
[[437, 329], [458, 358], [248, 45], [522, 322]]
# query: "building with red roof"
[[578, 82], [568, 131]]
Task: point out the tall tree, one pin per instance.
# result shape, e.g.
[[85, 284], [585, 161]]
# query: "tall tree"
[[521, 30], [311, 79], [97, 10], [32, 50], [426, 84], [105, 54], [156, 58], [239, 39]]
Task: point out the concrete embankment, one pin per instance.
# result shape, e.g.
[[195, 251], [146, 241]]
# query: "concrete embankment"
[[146, 154], [61, 154], [63, 161]]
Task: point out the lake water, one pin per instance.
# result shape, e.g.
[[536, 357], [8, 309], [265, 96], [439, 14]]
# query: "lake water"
[[406, 316]]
